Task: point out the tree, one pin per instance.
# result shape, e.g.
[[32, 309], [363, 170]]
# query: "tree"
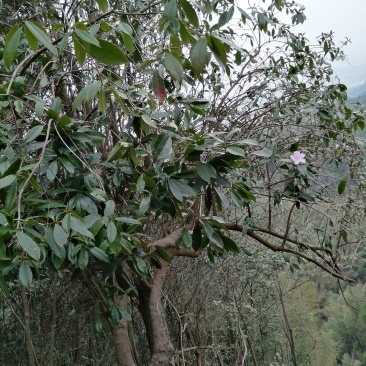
[[127, 129]]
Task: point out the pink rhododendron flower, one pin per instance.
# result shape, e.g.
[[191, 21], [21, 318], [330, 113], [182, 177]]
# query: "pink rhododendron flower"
[[298, 157]]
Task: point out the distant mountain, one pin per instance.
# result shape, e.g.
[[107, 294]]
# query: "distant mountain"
[[354, 77], [361, 98], [357, 91]]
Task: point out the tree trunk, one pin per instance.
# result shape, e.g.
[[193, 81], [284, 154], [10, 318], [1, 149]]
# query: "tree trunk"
[[32, 360], [144, 291], [121, 338], [53, 316], [288, 329], [163, 349]]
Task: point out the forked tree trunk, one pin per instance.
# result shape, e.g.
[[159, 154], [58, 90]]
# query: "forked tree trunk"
[[163, 349], [121, 338]]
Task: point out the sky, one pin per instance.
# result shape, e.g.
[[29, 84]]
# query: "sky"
[[344, 18]]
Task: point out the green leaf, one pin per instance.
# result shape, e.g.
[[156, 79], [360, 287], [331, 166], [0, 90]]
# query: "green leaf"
[[306, 197], [32, 41], [25, 274], [163, 148], [141, 265], [128, 42], [67, 164], [99, 254], [324, 114], [60, 235], [234, 150], [11, 45], [18, 104], [262, 22], [33, 133], [226, 16], [180, 189], [63, 42], [244, 15], [161, 252], [29, 245], [342, 186], [83, 258], [199, 56], [229, 244], [218, 49], [266, 153], [78, 226], [85, 36], [13, 168], [206, 171], [39, 108], [111, 231], [118, 150], [140, 185], [3, 256], [148, 120], [58, 250], [190, 13], [238, 202], [108, 53], [278, 4], [170, 10], [99, 195], [52, 171], [4, 287], [102, 102], [174, 67], [103, 5], [36, 30], [80, 52], [11, 196], [187, 239], [124, 314], [216, 239], [5, 182], [128, 220], [109, 208], [125, 28], [144, 205], [87, 93]]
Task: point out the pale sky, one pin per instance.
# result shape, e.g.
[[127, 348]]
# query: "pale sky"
[[344, 18]]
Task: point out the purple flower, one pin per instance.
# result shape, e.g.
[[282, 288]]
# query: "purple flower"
[[297, 157]]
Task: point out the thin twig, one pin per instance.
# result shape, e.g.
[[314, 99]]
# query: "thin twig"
[[32, 172]]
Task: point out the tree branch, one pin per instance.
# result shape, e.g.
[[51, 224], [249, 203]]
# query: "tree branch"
[[332, 269]]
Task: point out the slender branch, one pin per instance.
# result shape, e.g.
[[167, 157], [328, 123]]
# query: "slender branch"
[[32, 172], [213, 198], [288, 225], [269, 200], [31, 357], [170, 240], [334, 271], [54, 318], [288, 329]]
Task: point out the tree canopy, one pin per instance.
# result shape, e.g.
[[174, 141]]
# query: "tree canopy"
[[134, 132]]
